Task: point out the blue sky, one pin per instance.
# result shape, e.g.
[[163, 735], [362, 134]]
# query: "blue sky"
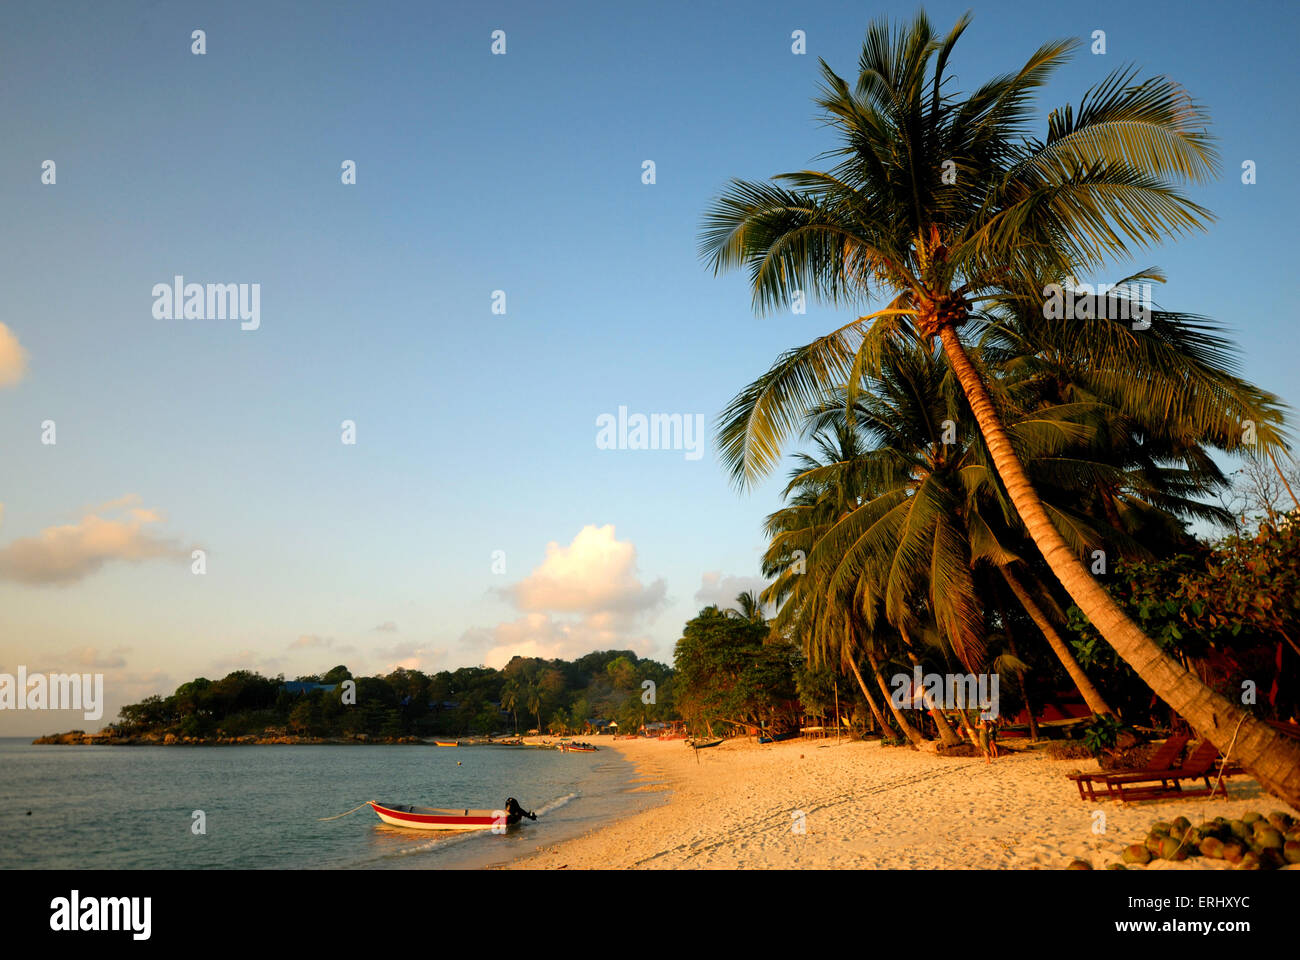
[[475, 431]]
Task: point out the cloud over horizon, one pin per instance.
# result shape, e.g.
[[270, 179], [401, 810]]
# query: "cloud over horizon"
[[582, 597], [63, 555], [722, 591], [594, 574]]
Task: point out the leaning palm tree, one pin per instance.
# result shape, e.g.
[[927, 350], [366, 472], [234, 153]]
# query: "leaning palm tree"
[[831, 629], [943, 202], [926, 507]]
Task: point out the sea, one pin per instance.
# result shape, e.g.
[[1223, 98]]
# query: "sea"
[[262, 807]]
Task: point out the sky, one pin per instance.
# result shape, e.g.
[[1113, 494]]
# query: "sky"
[[475, 516]]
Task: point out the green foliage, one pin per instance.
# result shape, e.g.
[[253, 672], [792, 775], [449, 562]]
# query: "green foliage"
[[816, 689], [1022, 205], [1233, 608], [727, 670], [1101, 733], [604, 685]]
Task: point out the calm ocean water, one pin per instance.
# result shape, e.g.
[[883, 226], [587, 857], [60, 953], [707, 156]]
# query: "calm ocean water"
[[131, 807]]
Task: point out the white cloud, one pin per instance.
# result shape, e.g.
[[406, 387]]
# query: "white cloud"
[[596, 573], [13, 358], [411, 656], [311, 640], [722, 591], [540, 635], [66, 554], [92, 658], [583, 597]]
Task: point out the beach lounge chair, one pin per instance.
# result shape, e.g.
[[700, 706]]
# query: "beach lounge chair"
[[1163, 759], [1200, 765]]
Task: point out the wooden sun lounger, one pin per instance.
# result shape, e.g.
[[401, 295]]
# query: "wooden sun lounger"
[[1163, 760], [1200, 765]]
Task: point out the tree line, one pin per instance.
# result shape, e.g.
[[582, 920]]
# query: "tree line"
[[555, 696]]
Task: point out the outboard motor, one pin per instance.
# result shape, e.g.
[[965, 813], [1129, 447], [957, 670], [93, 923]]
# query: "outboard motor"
[[514, 811]]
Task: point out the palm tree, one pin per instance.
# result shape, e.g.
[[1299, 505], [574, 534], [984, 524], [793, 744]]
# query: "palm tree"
[[748, 607], [510, 697], [531, 695], [925, 508], [945, 202], [1074, 451], [832, 633]]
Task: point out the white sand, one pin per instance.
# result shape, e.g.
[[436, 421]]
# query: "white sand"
[[868, 806]]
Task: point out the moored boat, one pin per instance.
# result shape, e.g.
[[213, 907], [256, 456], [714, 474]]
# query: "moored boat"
[[446, 743], [702, 744], [436, 818]]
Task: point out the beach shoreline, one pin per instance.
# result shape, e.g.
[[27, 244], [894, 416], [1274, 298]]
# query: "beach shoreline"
[[860, 805]]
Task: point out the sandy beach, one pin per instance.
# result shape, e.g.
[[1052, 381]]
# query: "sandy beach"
[[861, 805]]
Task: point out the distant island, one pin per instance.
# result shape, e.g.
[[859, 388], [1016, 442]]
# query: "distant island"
[[606, 690]]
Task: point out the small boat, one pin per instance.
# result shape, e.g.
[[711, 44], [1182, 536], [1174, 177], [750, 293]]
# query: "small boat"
[[777, 738], [446, 743], [577, 748], [703, 744], [435, 818]]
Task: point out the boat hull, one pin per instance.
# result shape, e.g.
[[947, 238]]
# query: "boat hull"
[[430, 818]]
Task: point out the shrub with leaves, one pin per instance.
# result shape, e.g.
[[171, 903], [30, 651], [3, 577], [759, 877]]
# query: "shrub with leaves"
[[1101, 733], [1233, 610]]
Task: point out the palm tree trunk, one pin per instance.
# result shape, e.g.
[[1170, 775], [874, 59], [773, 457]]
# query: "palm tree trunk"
[[1091, 695], [1024, 692], [909, 731], [1265, 753], [946, 735], [875, 711], [970, 732]]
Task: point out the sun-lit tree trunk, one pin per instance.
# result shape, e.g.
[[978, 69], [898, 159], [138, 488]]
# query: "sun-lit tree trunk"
[[946, 735], [1091, 695], [970, 732], [1265, 753], [855, 641], [875, 711], [909, 731]]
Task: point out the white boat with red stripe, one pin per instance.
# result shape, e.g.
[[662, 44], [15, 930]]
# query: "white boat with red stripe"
[[437, 818]]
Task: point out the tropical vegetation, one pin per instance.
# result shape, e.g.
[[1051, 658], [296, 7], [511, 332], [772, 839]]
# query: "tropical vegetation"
[[991, 447], [555, 696]]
